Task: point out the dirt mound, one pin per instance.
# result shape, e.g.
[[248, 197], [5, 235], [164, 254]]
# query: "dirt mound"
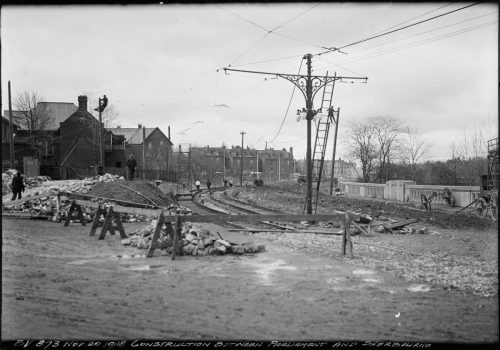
[[142, 192]]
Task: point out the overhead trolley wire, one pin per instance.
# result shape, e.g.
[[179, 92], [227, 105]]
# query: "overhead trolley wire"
[[272, 31], [411, 19], [427, 31], [421, 42], [332, 49]]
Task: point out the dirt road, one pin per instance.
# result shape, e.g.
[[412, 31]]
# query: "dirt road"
[[58, 282]]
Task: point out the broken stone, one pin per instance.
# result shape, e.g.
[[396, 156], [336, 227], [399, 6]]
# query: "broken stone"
[[191, 237], [380, 229], [126, 241], [221, 249], [224, 243], [238, 249], [354, 230]]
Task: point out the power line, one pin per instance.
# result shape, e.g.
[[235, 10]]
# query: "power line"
[[349, 70], [411, 19], [287, 108], [395, 30], [422, 42], [427, 31], [269, 60], [272, 31]]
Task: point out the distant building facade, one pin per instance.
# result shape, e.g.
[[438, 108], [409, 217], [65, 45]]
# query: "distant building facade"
[[217, 163]]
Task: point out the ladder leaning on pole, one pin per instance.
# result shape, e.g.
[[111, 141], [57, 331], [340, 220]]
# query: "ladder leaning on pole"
[[322, 130]]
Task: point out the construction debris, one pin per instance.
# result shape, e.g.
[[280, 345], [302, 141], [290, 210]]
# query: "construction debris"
[[400, 224], [196, 241], [29, 182]]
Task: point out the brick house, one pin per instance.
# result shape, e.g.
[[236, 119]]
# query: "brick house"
[[79, 142], [156, 146]]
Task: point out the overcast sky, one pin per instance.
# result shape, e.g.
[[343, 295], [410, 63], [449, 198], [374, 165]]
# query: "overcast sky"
[[158, 65]]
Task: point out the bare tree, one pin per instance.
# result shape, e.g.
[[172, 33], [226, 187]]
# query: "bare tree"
[[362, 145], [387, 132], [413, 148], [31, 117]]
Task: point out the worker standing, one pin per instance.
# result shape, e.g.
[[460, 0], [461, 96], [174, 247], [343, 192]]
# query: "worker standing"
[[225, 182], [209, 184], [17, 186], [230, 182], [131, 164], [198, 184]]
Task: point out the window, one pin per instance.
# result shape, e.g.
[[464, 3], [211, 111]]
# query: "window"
[[150, 145], [118, 164], [162, 142]]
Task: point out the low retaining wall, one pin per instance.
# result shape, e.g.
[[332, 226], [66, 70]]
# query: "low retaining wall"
[[402, 190]]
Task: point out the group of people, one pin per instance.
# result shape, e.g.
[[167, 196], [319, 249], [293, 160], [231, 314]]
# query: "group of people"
[[198, 184]]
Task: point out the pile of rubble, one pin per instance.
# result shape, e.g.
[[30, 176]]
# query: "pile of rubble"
[[142, 192], [196, 241], [29, 182]]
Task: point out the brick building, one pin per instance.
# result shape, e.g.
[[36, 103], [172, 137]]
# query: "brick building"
[[215, 163]]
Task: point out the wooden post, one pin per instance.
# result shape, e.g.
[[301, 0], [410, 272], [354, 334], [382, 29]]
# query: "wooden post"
[[95, 222], [177, 236], [156, 235], [58, 207], [72, 208], [347, 238], [108, 224]]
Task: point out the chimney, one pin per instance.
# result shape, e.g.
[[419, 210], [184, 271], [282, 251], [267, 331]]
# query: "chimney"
[[118, 126], [82, 103], [139, 126]]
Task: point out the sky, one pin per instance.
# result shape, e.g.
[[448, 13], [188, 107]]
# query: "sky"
[[162, 65]]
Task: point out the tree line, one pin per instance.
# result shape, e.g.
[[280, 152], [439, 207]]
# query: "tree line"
[[386, 149]]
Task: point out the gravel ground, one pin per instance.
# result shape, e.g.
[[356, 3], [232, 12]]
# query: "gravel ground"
[[458, 252]]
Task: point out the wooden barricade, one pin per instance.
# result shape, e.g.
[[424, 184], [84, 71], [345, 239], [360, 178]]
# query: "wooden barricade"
[[74, 206], [111, 223], [223, 218]]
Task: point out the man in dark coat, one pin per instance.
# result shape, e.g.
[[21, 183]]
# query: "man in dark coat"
[[131, 163], [17, 186]]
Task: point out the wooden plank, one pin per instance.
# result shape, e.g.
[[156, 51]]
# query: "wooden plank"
[[283, 231], [27, 216], [258, 217], [125, 210], [400, 224], [87, 196]]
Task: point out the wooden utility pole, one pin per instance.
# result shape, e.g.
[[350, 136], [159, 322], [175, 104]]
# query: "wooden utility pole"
[[241, 173], [309, 90], [143, 153], [309, 117], [334, 149], [101, 138], [11, 134]]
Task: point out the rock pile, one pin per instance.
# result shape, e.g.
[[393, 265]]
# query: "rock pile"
[[196, 241], [29, 182]]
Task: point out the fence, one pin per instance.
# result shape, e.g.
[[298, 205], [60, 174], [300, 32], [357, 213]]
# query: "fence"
[[402, 190]]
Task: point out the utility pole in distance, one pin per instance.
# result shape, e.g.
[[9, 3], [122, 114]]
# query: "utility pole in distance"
[[241, 173], [11, 134], [309, 85], [143, 153]]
